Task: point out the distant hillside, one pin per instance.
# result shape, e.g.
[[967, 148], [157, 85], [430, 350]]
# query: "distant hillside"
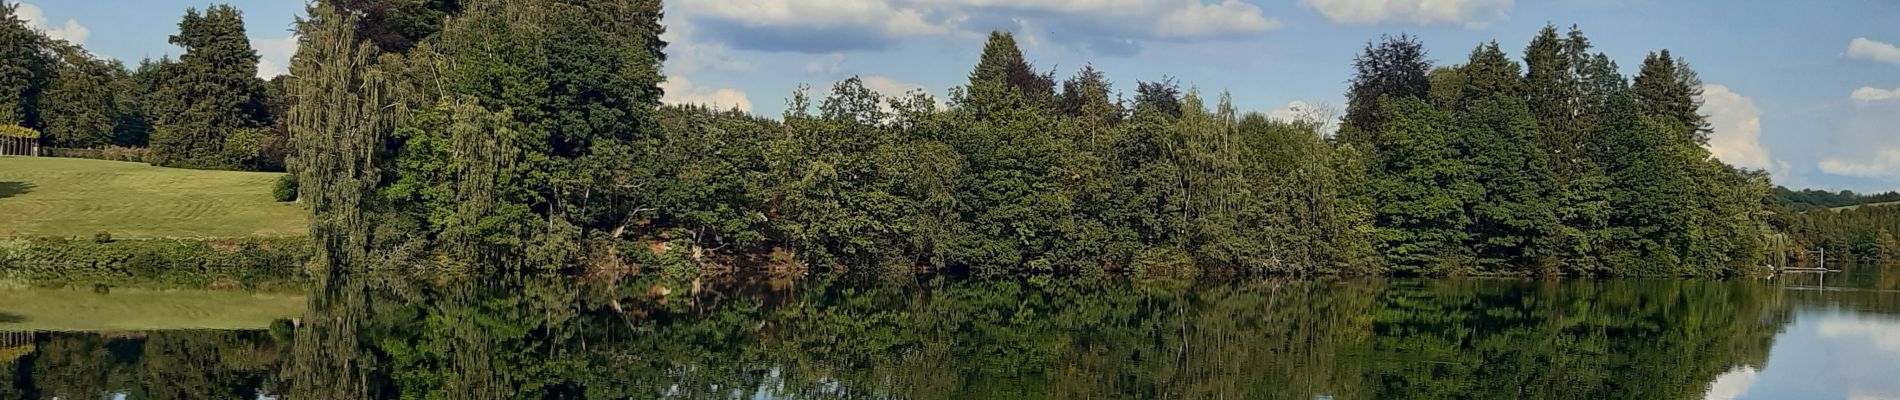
[[1810, 199], [1845, 208]]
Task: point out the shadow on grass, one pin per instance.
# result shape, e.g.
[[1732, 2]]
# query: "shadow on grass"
[[6, 318], [9, 189]]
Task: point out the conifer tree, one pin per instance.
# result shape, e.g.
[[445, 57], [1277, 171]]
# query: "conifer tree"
[[1667, 87], [211, 112], [1396, 67]]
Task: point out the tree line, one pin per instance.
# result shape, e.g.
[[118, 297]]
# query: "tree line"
[[529, 133], [1859, 236], [1810, 199], [206, 109]]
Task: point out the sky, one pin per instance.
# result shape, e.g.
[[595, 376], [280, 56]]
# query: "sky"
[[1807, 90]]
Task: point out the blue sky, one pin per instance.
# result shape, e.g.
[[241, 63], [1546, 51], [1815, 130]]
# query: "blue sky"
[[1808, 90]]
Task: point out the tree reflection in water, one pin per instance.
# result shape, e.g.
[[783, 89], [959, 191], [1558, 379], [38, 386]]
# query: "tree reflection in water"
[[553, 336]]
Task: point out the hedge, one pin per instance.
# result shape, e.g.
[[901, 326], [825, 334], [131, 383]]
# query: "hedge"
[[108, 153], [190, 262]]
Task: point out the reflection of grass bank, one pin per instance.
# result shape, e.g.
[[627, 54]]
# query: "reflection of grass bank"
[[164, 262], [122, 309]]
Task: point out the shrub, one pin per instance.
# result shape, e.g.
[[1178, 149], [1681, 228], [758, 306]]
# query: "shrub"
[[109, 153], [102, 237], [286, 188]]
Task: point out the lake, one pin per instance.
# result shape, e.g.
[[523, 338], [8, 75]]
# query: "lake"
[[937, 337]]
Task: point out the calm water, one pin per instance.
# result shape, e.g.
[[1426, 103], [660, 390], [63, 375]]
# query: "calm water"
[[1795, 337]]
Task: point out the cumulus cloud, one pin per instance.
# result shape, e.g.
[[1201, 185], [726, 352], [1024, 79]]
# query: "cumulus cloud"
[[1737, 124], [1884, 335], [1873, 50], [1873, 94], [1885, 163], [682, 91], [70, 31], [1198, 20], [1467, 13], [274, 55], [1732, 384], [687, 53], [824, 26]]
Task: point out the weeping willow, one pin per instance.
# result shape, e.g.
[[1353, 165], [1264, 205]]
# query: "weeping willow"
[[344, 110]]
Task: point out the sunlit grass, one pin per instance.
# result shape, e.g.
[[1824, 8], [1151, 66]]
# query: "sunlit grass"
[[78, 198]]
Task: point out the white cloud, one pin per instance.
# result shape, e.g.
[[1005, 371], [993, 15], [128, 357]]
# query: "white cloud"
[[1467, 13], [1873, 50], [1198, 20], [824, 26], [1737, 124], [70, 31], [686, 53], [1884, 335], [1732, 384], [1885, 163], [274, 55], [680, 90], [883, 15], [1873, 94]]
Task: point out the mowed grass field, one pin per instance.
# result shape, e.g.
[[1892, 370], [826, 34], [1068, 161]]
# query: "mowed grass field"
[[70, 197]]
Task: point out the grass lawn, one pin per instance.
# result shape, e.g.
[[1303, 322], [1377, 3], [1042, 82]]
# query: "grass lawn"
[[74, 309], [72, 197]]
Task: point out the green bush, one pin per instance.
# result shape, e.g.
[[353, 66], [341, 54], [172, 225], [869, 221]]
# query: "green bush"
[[189, 262], [286, 188], [109, 153]]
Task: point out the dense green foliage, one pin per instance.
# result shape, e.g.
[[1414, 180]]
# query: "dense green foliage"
[[1861, 235], [212, 112], [483, 337], [207, 109], [529, 133], [24, 69], [1559, 168]]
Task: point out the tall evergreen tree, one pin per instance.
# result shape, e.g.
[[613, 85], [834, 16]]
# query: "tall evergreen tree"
[[211, 112], [1422, 188], [1395, 67], [1489, 73], [1667, 87]]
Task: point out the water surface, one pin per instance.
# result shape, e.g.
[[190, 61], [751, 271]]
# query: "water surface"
[[935, 337]]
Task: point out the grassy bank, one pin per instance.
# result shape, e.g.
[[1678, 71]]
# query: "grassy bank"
[[70, 197]]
